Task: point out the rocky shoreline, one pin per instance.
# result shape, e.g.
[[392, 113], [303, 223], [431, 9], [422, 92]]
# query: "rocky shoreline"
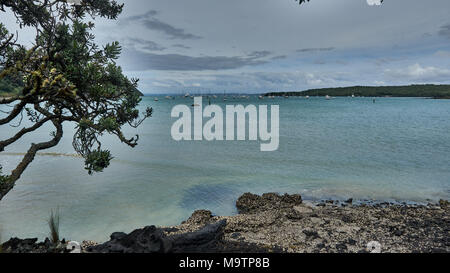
[[284, 223]]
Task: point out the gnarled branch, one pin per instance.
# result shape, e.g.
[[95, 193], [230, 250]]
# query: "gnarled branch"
[[14, 113], [5, 143], [29, 156]]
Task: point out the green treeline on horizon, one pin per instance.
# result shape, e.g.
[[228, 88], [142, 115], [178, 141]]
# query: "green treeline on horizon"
[[425, 90]]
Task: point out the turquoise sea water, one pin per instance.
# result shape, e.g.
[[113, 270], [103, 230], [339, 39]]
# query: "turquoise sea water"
[[396, 149]]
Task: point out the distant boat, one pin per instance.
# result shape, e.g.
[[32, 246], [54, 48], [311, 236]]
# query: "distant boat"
[[187, 95], [353, 95], [260, 97], [307, 97], [327, 97], [156, 99]]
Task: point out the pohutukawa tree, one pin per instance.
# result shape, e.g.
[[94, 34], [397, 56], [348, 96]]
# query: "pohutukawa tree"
[[66, 77]]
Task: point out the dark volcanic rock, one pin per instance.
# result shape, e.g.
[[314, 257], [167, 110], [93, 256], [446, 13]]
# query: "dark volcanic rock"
[[153, 240], [118, 235], [203, 240], [16, 245], [146, 240], [251, 203]]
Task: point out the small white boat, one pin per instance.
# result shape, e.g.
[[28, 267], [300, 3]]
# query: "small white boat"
[[260, 97], [327, 97], [307, 97], [187, 95], [156, 99]]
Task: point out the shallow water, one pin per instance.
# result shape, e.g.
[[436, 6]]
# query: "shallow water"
[[395, 149]]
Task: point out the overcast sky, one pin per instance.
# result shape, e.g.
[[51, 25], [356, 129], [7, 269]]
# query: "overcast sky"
[[178, 46]]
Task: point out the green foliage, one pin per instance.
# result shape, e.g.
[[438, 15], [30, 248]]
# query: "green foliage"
[[108, 124], [428, 90], [97, 161], [53, 224]]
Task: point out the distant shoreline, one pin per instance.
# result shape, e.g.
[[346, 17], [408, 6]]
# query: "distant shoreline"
[[418, 91]]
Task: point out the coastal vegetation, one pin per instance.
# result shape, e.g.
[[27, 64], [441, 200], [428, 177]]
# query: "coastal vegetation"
[[425, 90], [53, 224], [65, 77]]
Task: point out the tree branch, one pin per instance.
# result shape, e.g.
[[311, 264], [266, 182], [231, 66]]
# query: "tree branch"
[[14, 113], [5, 143], [28, 158]]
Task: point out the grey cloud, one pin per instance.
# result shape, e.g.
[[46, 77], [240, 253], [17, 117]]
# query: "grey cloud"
[[181, 46], [321, 49], [387, 60], [320, 62], [138, 61], [171, 31], [145, 44], [149, 21], [419, 72], [358, 44], [140, 16], [445, 31], [280, 57], [260, 54]]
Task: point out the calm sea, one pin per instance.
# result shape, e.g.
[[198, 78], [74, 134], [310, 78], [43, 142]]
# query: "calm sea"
[[397, 149]]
